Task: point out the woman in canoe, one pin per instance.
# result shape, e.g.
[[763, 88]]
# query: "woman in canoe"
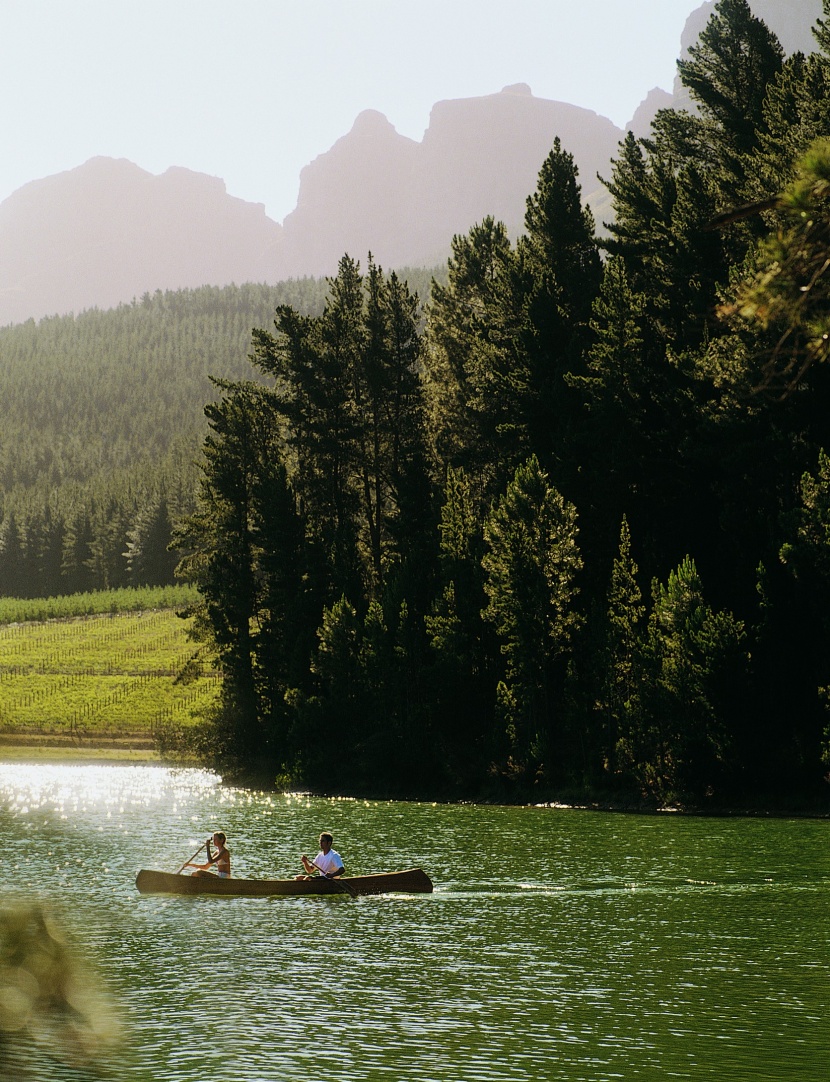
[[221, 858]]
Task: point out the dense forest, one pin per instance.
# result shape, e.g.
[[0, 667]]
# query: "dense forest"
[[102, 419], [571, 535]]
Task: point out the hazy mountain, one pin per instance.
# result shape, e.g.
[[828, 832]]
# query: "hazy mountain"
[[646, 111], [108, 231], [355, 197], [403, 200]]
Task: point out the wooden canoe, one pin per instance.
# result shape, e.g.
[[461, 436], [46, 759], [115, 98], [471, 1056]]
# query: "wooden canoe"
[[413, 881]]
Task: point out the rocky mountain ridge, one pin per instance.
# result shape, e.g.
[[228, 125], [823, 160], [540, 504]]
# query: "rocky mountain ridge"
[[108, 231]]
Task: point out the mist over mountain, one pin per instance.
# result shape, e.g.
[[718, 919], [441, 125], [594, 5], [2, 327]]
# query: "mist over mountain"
[[403, 200], [108, 231]]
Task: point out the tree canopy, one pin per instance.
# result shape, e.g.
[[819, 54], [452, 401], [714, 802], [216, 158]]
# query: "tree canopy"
[[561, 526]]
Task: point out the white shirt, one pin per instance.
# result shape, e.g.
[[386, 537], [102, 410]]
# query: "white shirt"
[[328, 862]]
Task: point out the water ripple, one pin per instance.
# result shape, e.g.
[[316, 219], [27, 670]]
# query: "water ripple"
[[604, 947]]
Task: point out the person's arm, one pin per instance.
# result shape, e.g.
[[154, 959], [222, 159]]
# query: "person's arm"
[[211, 858], [307, 864]]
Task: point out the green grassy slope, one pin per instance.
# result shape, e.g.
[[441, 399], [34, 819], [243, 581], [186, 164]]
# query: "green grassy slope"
[[101, 681]]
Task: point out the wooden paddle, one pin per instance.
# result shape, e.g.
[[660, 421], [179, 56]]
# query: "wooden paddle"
[[198, 851], [352, 893]]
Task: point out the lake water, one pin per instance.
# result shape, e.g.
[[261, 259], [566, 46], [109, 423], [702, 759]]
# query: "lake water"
[[558, 945]]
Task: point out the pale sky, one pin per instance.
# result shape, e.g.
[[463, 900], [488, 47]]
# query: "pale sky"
[[253, 90]]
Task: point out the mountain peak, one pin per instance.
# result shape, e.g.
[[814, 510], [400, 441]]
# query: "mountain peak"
[[371, 122]]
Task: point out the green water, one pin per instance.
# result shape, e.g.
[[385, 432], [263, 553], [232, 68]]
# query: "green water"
[[558, 945]]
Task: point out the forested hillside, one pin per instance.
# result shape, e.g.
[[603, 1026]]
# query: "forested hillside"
[[573, 535], [101, 416]]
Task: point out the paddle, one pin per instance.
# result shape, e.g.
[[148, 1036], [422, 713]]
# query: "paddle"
[[352, 893], [198, 851]]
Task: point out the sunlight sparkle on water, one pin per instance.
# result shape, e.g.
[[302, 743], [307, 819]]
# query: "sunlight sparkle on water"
[[578, 945], [26, 788]]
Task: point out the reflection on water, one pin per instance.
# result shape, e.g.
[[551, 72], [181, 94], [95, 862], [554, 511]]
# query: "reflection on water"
[[557, 945]]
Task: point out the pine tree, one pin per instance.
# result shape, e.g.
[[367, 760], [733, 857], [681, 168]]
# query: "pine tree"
[[110, 526], [728, 72], [544, 321], [821, 31], [332, 718], [460, 641], [313, 361], [669, 188], [621, 656], [223, 560], [150, 562], [531, 562], [625, 394], [11, 558], [788, 295], [76, 570], [347, 386], [806, 554], [796, 114], [465, 406], [559, 246], [288, 603], [678, 742]]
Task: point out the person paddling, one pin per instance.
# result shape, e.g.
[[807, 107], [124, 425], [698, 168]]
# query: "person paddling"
[[327, 862], [221, 858]]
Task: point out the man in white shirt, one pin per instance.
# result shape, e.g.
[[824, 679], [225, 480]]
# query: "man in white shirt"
[[327, 862]]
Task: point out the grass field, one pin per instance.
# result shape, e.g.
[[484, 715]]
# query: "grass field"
[[103, 682]]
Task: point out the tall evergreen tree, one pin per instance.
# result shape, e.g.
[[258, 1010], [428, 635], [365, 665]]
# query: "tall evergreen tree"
[[460, 641], [678, 738], [288, 603], [667, 189], [465, 406], [110, 526], [346, 385], [788, 295], [728, 72], [531, 562], [11, 558], [76, 569], [806, 553], [796, 114], [621, 659], [544, 323], [149, 559], [241, 548], [342, 715]]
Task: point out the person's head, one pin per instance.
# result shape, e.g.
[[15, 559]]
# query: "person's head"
[[326, 841], [219, 838]]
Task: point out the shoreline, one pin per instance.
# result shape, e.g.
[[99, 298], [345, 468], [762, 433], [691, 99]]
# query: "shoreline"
[[34, 750], [20, 748]]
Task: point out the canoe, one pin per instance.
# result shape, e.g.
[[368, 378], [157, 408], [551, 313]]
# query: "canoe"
[[413, 881]]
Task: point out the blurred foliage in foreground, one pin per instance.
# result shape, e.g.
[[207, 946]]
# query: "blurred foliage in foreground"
[[56, 1023]]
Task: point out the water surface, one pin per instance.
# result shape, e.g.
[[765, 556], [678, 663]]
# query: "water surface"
[[558, 944]]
